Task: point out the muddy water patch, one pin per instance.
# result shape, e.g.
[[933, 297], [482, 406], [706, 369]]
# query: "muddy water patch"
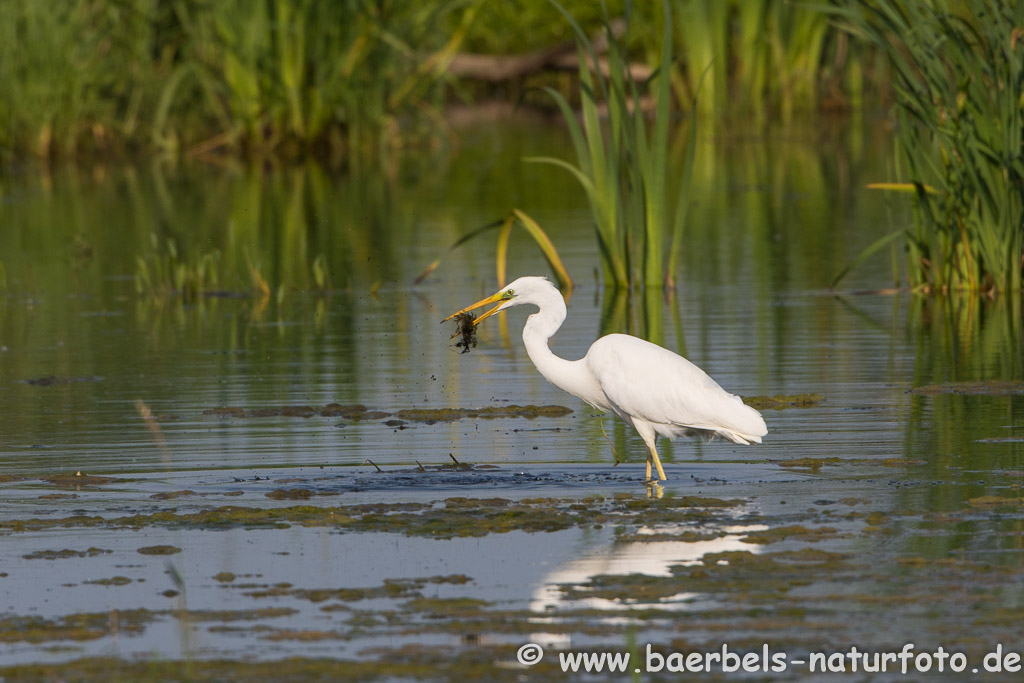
[[455, 516], [570, 570], [360, 412], [353, 574]]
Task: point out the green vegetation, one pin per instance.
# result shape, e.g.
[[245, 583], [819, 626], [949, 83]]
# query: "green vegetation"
[[959, 78], [768, 58], [195, 76], [458, 517], [633, 160], [344, 81], [625, 173], [504, 227], [333, 79], [165, 272]]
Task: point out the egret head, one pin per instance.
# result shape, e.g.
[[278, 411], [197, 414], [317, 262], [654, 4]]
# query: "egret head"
[[525, 290]]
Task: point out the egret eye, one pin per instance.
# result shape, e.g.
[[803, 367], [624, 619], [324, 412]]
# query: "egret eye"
[[507, 294]]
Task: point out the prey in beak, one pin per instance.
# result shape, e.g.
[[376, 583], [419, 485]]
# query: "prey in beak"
[[502, 296], [466, 322]]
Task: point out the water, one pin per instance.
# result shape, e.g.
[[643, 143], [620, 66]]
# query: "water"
[[921, 491]]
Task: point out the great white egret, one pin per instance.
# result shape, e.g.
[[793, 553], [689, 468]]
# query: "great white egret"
[[649, 387]]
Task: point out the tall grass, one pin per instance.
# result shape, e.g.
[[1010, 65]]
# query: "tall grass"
[[766, 59], [623, 166], [959, 78], [60, 90], [289, 76], [298, 72], [296, 77]]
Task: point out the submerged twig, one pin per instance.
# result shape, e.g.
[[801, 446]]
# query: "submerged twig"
[[154, 429], [372, 463], [615, 456]]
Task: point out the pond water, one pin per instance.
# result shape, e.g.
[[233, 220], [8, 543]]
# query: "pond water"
[[195, 483]]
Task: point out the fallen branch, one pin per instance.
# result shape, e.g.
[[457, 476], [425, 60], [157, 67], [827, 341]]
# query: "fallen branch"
[[562, 57]]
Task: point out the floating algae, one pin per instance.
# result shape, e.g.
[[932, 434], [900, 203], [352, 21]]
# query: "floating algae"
[[457, 517], [795, 531], [66, 553], [171, 495], [995, 502], [392, 589], [51, 380], [159, 550], [358, 412], [435, 607], [113, 581], [82, 626], [234, 614], [355, 411], [783, 401], [735, 571], [992, 387], [813, 464], [290, 494], [79, 479], [489, 412]]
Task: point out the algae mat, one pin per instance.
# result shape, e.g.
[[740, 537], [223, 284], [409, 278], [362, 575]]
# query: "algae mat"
[[206, 577]]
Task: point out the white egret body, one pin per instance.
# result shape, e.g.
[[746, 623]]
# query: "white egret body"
[[653, 389]]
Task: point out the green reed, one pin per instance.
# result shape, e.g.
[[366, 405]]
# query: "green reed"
[[168, 272], [289, 76], [623, 163], [766, 58], [282, 74], [301, 77], [959, 79], [71, 74]]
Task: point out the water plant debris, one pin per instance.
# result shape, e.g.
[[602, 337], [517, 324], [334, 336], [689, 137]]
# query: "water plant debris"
[[465, 326]]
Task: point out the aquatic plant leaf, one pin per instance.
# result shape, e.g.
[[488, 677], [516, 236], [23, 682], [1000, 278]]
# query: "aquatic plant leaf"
[[864, 255], [909, 188], [548, 249], [455, 245]]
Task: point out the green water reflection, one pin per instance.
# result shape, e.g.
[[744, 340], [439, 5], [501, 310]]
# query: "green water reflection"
[[773, 220]]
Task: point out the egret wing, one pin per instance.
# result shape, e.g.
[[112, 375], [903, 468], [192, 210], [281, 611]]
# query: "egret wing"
[[644, 380]]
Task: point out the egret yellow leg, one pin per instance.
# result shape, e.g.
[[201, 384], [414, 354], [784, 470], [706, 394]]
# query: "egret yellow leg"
[[657, 463], [646, 432]]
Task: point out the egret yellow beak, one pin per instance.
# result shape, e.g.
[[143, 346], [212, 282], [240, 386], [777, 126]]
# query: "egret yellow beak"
[[483, 302]]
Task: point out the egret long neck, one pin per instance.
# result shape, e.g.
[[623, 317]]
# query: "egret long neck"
[[568, 375]]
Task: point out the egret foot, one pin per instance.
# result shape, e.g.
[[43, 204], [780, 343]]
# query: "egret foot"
[[657, 463]]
